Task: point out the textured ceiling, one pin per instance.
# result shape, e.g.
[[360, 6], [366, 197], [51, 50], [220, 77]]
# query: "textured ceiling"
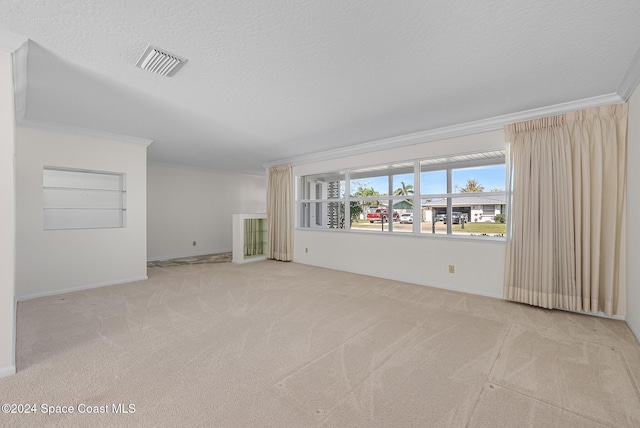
[[268, 80]]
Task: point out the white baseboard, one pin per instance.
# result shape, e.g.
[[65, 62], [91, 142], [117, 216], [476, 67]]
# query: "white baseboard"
[[459, 289], [79, 288], [180, 256], [411, 281], [596, 314], [7, 371], [635, 329]]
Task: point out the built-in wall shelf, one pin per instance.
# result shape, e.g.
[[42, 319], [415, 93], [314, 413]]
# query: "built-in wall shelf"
[[249, 237], [82, 199]]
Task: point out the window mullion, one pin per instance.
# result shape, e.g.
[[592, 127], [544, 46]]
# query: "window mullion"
[[508, 191], [347, 200], [417, 200], [390, 206], [449, 202]]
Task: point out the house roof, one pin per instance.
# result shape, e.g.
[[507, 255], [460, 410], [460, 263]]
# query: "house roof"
[[464, 201], [284, 81], [403, 205]]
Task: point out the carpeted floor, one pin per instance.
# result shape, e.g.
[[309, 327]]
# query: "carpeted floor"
[[272, 344]]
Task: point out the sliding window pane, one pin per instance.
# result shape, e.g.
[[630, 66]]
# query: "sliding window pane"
[[323, 186], [479, 215], [403, 184], [433, 182], [371, 218], [434, 215], [403, 217], [323, 215], [489, 178], [359, 210], [370, 186]]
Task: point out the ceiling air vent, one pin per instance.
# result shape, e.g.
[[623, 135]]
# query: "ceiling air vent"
[[159, 61]]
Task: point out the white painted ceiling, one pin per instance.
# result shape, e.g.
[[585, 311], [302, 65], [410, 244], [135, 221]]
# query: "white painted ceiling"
[[275, 79]]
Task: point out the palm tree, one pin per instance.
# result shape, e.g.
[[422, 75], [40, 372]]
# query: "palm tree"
[[365, 193], [472, 187], [405, 189]]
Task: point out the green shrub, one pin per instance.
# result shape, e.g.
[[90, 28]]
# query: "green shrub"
[[500, 218]]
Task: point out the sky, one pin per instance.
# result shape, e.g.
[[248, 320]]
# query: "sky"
[[433, 182]]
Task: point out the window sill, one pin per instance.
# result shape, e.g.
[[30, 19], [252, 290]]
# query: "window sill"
[[456, 237]]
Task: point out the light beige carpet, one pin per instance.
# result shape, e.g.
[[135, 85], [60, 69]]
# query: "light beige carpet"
[[272, 344]]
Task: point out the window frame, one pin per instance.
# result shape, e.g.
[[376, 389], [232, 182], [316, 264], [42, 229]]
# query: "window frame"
[[451, 195], [447, 163]]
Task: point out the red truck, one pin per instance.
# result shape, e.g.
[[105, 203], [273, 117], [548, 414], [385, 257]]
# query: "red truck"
[[381, 214]]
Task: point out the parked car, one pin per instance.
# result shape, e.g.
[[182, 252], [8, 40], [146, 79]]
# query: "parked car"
[[456, 217], [441, 217], [406, 218], [381, 214]]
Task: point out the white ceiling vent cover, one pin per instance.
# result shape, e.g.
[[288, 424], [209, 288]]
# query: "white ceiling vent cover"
[[160, 61]]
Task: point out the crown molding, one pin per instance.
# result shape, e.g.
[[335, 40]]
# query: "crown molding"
[[631, 78], [20, 50], [49, 126], [475, 127], [17, 46], [11, 42], [20, 81]]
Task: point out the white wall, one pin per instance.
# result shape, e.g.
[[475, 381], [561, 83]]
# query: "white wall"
[[479, 264], [633, 215], [7, 218], [53, 261], [419, 260], [187, 204]]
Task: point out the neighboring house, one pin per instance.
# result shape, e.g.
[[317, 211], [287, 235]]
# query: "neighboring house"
[[477, 208], [403, 205]]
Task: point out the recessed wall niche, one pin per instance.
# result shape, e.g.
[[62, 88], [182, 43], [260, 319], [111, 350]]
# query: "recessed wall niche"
[[249, 237], [83, 199]]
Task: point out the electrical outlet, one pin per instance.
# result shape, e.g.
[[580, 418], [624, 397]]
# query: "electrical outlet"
[[452, 268], [306, 250], [194, 243]]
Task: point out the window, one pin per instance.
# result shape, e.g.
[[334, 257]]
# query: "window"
[[77, 199], [321, 201], [464, 196], [380, 196], [454, 195]]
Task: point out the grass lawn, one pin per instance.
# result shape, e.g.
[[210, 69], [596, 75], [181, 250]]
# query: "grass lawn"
[[367, 225], [471, 228], [481, 228]]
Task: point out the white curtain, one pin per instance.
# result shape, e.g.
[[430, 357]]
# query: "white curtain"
[[566, 247], [280, 213]]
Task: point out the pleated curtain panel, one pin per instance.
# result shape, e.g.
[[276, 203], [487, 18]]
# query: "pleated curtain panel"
[[280, 213], [567, 178]]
